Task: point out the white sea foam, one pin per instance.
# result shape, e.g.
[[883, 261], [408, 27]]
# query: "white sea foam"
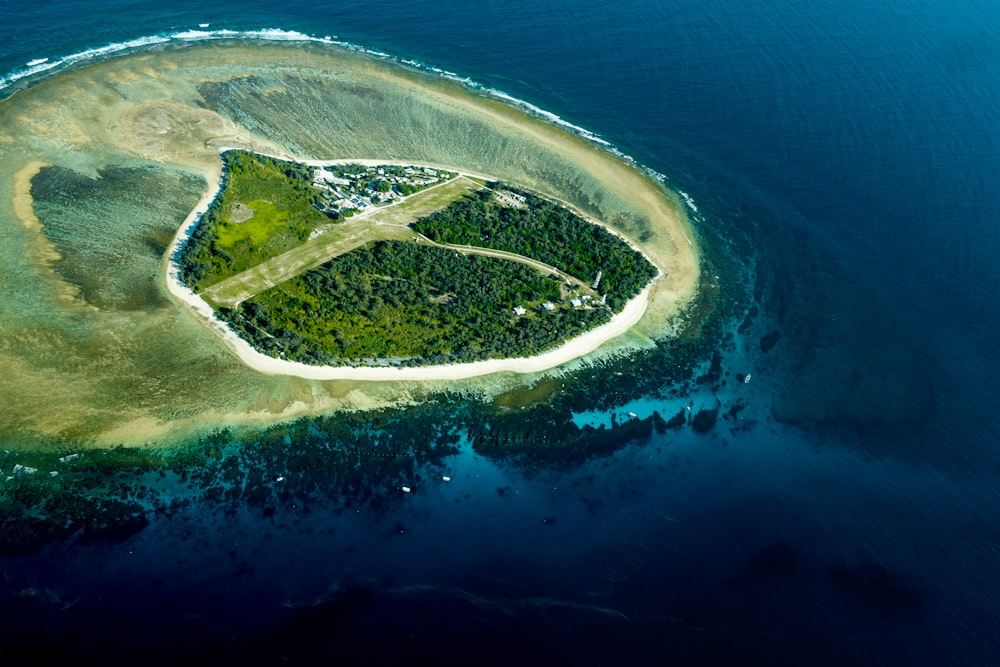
[[46, 64], [548, 115], [688, 200], [199, 34], [40, 65]]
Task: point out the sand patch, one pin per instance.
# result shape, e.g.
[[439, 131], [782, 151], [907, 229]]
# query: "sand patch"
[[240, 213], [24, 210], [22, 201]]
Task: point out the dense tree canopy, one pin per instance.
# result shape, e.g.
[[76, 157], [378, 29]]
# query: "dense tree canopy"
[[545, 231], [406, 304]]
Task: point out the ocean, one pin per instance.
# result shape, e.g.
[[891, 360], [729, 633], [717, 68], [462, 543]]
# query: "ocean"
[[839, 162]]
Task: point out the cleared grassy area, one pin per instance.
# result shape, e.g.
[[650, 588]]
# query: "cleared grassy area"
[[264, 221], [380, 224], [265, 210]]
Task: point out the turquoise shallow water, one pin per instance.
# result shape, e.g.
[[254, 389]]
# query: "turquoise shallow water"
[[844, 154]]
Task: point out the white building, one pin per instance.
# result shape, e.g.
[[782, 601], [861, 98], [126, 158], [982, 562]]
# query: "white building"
[[321, 175]]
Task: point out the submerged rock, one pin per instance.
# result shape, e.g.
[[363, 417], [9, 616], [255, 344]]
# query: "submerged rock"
[[704, 420]]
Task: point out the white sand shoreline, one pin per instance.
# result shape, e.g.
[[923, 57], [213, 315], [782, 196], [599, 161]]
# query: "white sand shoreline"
[[568, 351]]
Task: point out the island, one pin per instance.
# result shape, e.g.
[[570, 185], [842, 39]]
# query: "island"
[[108, 167], [382, 265]]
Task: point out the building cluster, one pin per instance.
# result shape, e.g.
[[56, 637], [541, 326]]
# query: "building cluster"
[[511, 199], [582, 301], [355, 188]]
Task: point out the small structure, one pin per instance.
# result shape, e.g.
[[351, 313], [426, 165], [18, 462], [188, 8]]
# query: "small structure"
[[576, 302], [549, 306], [519, 310], [321, 175], [510, 199]]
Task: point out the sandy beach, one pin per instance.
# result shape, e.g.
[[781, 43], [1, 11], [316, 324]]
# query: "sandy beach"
[[571, 349]]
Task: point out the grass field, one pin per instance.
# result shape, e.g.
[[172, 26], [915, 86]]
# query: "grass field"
[[388, 223]]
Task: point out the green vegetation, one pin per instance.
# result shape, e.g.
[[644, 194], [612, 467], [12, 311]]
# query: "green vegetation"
[[269, 206], [508, 274], [266, 207], [383, 224], [517, 221], [401, 303]]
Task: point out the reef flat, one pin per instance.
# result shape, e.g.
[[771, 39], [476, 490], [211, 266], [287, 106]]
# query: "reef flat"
[[99, 166]]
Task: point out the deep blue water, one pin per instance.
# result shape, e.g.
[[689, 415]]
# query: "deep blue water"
[[855, 147]]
